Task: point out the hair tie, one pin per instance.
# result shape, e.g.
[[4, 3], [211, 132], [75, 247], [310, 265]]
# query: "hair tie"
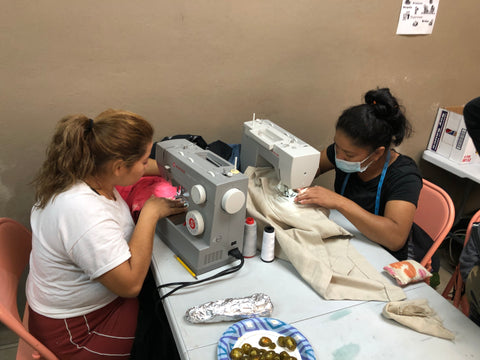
[[90, 125]]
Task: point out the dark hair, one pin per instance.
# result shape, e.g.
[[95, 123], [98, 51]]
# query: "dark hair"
[[378, 122], [80, 147]]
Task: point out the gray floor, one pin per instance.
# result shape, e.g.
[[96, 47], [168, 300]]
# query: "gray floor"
[[448, 256], [8, 352]]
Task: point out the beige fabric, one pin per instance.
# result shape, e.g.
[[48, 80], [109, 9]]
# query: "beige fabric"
[[318, 248], [419, 316]]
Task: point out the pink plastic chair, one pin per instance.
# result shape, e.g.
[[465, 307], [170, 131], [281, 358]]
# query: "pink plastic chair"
[[456, 282], [435, 214], [15, 247]]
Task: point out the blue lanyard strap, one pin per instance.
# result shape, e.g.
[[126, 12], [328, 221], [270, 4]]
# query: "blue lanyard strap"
[[380, 183]]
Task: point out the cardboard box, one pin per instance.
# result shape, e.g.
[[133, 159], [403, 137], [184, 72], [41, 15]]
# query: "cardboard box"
[[450, 138]]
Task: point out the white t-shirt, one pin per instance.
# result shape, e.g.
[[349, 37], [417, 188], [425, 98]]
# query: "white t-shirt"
[[77, 237]]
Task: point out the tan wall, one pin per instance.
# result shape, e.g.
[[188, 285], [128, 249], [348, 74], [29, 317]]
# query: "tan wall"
[[205, 66]]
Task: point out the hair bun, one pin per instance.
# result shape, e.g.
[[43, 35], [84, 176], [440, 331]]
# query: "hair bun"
[[385, 104]]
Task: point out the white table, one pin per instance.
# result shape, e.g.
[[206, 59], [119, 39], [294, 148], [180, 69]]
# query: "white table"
[[336, 329], [467, 171]]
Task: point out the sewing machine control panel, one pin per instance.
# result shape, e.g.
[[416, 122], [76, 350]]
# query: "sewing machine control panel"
[[198, 194], [233, 201], [194, 222]]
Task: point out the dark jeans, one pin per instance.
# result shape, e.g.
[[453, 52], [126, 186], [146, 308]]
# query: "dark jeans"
[[472, 288], [153, 337]]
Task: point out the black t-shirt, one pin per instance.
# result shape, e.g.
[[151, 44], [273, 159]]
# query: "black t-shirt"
[[403, 181]]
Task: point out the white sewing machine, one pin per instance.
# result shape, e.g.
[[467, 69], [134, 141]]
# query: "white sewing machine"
[[265, 144], [216, 196]]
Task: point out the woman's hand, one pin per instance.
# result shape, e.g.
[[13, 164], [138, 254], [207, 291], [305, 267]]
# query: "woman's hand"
[[157, 208], [320, 196]]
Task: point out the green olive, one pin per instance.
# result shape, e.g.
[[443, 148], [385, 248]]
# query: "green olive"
[[290, 343], [236, 354], [246, 348], [269, 355], [284, 355], [254, 351], [265, 341]]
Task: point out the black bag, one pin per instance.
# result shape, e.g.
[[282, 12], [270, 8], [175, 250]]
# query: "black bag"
[[419, 242], [153, 337]]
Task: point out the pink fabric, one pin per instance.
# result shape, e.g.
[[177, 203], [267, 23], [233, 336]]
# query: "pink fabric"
[[136, 195]]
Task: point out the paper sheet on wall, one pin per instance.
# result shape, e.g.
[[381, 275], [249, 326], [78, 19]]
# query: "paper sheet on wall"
[[417, 17]]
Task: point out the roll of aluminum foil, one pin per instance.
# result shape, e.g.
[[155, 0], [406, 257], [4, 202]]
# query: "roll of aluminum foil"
[[231, 309]]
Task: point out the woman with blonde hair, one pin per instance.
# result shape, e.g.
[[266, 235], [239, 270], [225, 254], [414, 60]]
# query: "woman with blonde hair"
[[89, 260]]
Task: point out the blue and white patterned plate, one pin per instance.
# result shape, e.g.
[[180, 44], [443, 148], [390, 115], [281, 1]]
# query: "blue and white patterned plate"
[[250, 330]]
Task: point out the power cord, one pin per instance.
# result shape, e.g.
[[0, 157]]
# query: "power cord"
[[180, 285]]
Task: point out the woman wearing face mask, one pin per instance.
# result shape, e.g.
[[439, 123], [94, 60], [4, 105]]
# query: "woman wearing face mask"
[[376, 188]]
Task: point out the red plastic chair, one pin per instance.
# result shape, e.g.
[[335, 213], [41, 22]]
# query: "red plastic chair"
[[435, 214], [455, 289], [15, 247]]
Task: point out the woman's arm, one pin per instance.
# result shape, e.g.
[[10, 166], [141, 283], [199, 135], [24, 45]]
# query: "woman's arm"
[[126, 280], [325, 164], [390, 230]]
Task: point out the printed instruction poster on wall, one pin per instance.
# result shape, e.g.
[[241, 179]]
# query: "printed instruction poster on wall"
[[417, 17]]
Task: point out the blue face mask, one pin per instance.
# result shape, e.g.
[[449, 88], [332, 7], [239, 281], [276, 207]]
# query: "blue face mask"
[[352, 166]]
